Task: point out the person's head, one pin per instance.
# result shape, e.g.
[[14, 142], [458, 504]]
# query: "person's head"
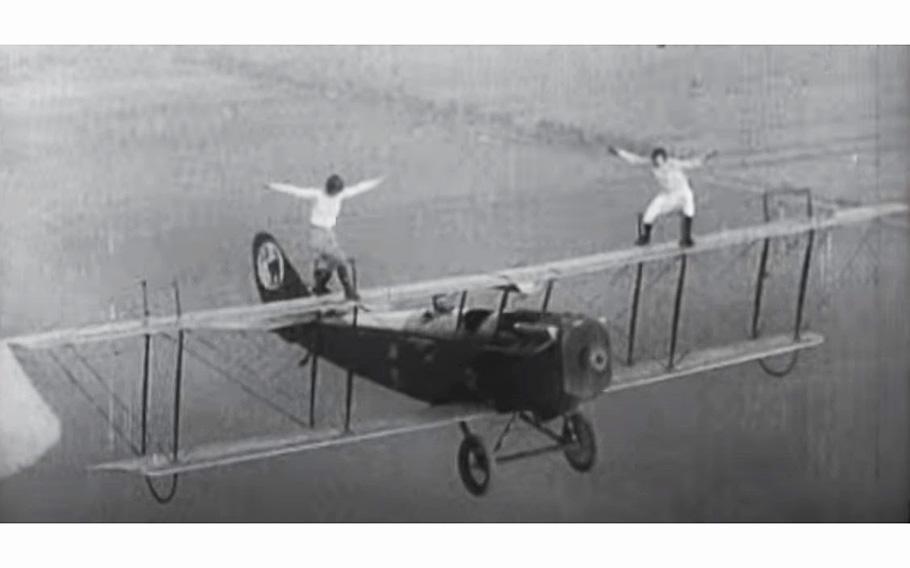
[[334, 185], [658, 157]]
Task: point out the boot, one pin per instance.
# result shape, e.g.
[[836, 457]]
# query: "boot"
[[349, 292], [644, 234], [685, 239], [321, 278]]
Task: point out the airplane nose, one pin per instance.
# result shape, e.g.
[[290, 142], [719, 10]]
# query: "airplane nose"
[[587, 369], [595, 357]]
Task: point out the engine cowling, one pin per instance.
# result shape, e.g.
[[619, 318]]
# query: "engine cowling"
[[586, 358], [545, 363]]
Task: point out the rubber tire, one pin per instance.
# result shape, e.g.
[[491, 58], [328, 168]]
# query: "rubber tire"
[[473, 446], [582, 455]]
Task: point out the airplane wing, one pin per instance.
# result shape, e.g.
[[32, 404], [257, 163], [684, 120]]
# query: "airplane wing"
[[640, 375], [224, 454], [711, 359], [616, 259], [280, 314]]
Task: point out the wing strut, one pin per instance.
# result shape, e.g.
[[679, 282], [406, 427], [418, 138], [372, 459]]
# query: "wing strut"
[[460, 316], [145, 371], [633, 317], [166, 497], [314, 372], [503, 303], [546, 295], [677, 312], [677, 309], [349, 389], [803, 279]]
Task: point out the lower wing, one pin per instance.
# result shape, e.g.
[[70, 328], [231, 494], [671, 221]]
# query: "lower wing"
[[642, 374]]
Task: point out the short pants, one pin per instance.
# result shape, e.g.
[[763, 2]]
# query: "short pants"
[[665, 203], [329, 254]]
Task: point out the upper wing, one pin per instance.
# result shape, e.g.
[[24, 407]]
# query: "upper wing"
[[280, 314], [615, 259], [258, 316]]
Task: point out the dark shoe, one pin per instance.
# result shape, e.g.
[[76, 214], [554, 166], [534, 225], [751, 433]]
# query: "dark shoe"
[[644, 235], [685, 239], [321, 279], [349, 291]]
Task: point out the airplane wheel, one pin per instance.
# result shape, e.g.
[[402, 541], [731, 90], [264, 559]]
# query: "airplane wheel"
[[475, 465], [582, 453]]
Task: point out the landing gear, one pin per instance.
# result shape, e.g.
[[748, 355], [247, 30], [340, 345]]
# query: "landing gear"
[[476, 462], [581, 448], [475, 465]]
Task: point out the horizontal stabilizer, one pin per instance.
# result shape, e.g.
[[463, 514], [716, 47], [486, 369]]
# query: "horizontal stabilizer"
[[650, 372], [230, 453]]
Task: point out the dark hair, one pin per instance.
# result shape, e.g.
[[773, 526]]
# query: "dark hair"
[[658, 152], [334, 184]]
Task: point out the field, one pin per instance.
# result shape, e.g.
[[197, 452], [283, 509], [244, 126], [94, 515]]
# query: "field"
[[123, 164]]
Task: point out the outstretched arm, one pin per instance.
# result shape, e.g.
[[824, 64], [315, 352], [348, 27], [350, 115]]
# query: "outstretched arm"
[[696, 162], [361, 187], [629, 157], [304, 192]]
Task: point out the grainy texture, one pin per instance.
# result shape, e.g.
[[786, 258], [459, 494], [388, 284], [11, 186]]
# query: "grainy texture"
[[118, 164]]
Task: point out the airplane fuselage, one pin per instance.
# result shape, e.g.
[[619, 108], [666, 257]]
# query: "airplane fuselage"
[[544, 363]]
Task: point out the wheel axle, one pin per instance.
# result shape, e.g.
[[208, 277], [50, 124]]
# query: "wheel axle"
[[475, 461]]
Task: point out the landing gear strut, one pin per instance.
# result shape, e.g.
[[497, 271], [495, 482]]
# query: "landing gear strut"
[[476, 462], [581, 448]]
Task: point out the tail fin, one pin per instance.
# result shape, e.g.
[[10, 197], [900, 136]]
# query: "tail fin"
[[276, 279], [28, 426]]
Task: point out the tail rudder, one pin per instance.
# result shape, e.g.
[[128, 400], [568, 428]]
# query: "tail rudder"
[[276, 278]]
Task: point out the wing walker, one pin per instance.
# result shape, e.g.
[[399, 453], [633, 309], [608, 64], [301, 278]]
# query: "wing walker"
[[536, 367]]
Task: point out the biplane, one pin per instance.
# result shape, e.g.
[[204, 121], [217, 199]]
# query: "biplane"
[[535, 366]]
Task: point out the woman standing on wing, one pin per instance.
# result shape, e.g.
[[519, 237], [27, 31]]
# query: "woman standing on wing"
[[324, 214], [675, 192]]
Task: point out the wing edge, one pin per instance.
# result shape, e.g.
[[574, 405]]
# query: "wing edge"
[[225, 454], [711, 359]]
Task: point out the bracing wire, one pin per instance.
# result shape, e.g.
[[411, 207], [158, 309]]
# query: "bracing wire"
[[94, 404], [100, 380], [240, 383], [243, 366]]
